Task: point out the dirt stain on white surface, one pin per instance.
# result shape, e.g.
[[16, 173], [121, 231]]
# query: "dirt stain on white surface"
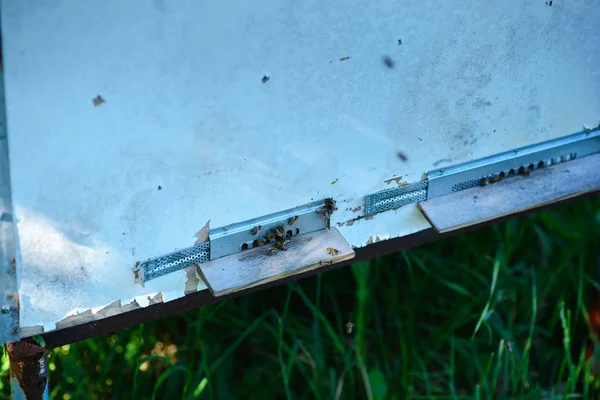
[[398, 181]]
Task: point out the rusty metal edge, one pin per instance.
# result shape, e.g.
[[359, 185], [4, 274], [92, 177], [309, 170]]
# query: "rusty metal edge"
[[9, 298]]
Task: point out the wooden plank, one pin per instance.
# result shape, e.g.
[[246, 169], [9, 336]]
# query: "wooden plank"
[[512, 195], [255, 266]]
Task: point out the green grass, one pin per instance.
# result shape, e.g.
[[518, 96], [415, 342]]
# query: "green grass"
[[496, 313]]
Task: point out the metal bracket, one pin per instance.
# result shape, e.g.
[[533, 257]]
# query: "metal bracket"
[[504, 165], [467, 175], [234, 238], [238, 237]]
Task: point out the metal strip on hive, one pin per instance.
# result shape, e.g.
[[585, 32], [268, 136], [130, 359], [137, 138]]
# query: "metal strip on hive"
[[172, 262], [234, 238], [470, 174], [390, 199]]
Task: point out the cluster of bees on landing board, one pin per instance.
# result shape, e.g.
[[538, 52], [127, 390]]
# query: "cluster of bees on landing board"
[[279, 234]]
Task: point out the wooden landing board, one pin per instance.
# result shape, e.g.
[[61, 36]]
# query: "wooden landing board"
[[512, 195], [255, 266]]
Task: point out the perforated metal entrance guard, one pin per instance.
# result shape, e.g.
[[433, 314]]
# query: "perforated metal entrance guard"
[[234, 238], [467, 175], [238, 237], [390, 199], [504, 165], [173, 262]]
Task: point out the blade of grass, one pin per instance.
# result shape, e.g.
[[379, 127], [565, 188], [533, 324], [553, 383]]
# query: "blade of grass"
[[330, 331], [284, 371], [139, 364], [239, 340], [565, 319], [499, 359], [165, 375], [527, 348], [484, 313]]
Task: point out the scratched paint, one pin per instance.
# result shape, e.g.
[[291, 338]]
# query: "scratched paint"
[[186, 110]]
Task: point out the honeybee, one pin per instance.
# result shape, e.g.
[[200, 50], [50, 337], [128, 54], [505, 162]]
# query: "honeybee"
[[332, 251], [485, 181], [256, 230], [259, 242], [524, 171], [270, 236], [495, 178], [328, 208], [293, 220], [349, 327], [279, 231], [277, 247], [326, 262], [280, 246]]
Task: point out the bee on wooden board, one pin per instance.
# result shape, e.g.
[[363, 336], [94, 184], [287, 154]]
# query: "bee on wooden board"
[[332, 251], [256, 230], [325, 262], [490, 179], [270, 236], [293, 220], [277, 247], [279, 231], [259, 242], [280, 246], [495, 178], [523, 171]]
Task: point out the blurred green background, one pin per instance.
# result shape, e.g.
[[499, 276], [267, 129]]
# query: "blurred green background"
[[506, 311]]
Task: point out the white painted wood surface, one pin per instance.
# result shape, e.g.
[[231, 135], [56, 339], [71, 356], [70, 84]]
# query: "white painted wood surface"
[[513, 195], [186, 109], [256, 266]]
